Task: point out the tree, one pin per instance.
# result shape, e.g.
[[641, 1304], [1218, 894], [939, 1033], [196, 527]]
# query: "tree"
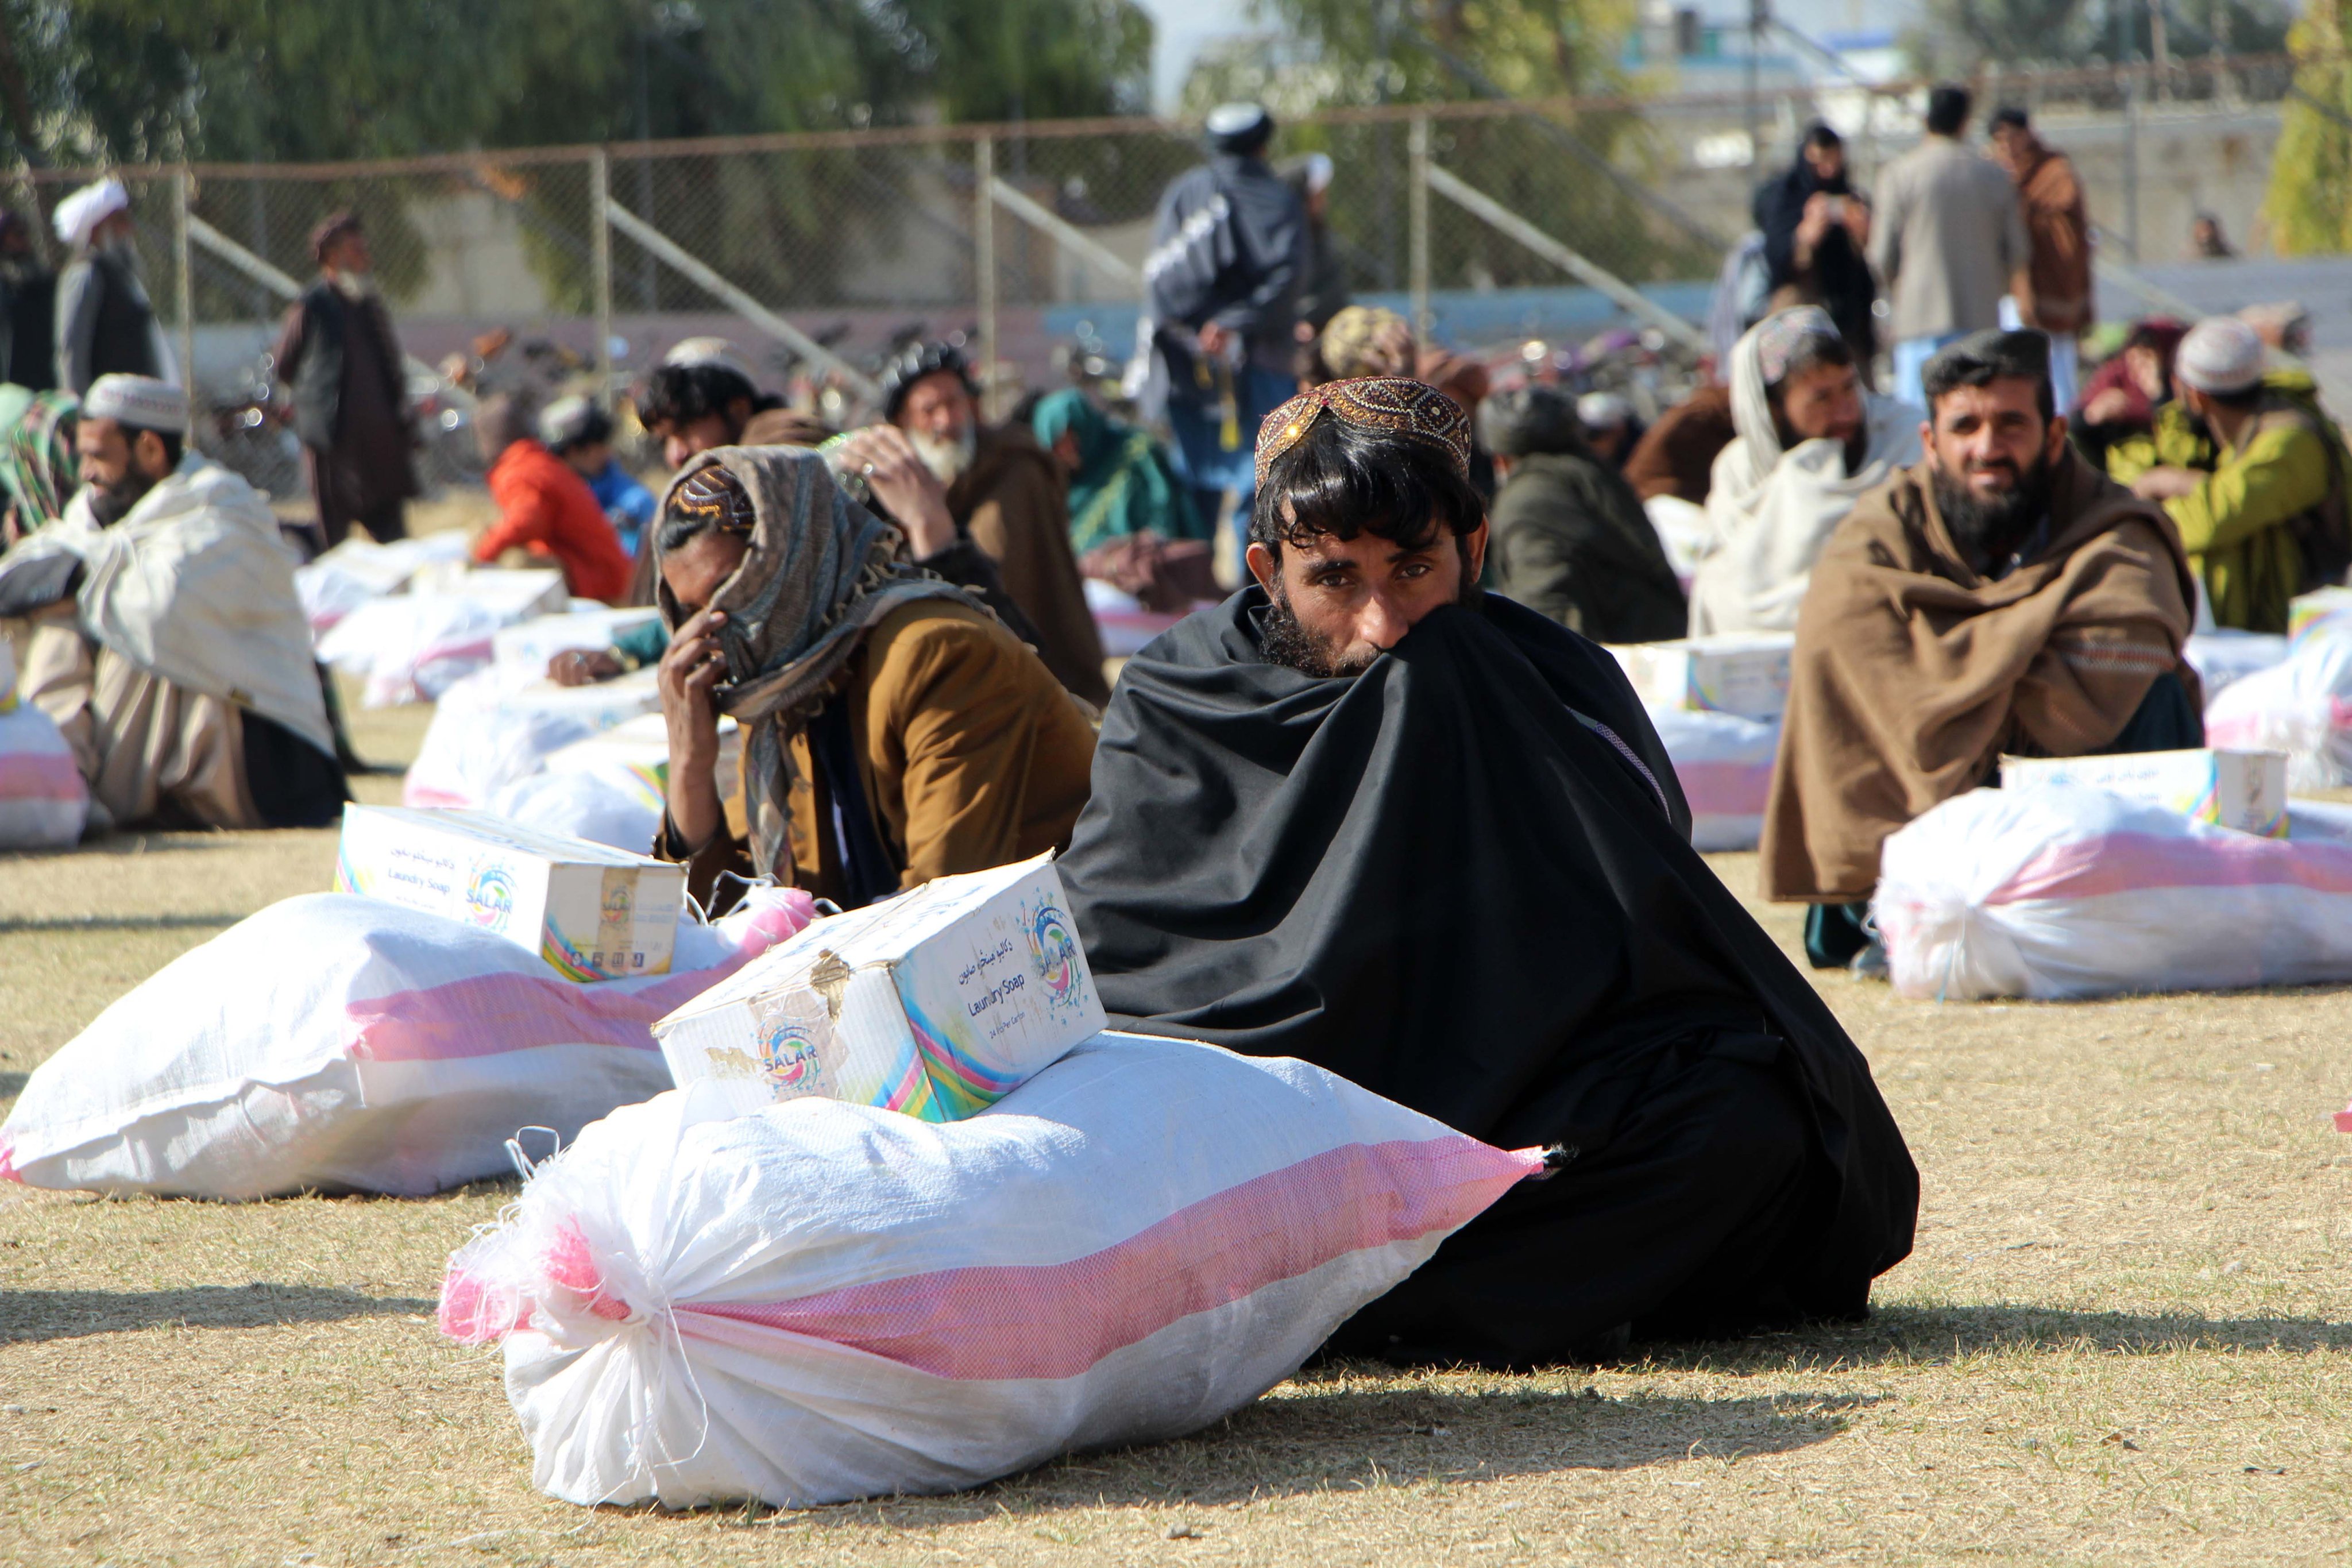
[[1420, 51], [296, 80], [2310, 203]]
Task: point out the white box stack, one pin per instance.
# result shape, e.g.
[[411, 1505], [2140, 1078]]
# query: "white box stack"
[[2244, 790], [1745, 674], [937, 1002]]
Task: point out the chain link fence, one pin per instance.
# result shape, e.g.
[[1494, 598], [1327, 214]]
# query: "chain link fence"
[[1497, 226]]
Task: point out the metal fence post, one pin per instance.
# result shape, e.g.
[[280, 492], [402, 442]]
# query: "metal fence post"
[[983, 238], [2131, 164], [600, 265], [184, 293], [1417, 222]]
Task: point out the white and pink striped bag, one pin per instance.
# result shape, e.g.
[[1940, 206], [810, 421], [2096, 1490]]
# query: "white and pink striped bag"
[[1724, 763], [44, 803], [2063, 892], [822, 1301], [338, 1044]]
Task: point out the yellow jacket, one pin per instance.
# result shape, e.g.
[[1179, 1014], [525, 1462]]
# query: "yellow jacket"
[[2237, 524]]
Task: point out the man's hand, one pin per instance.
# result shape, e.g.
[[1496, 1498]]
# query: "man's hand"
[[582, 667], [899, 482], [2108, 407], [1212, 339], [689, 672], [1815, 221], [1857, 221], [2166, 483]]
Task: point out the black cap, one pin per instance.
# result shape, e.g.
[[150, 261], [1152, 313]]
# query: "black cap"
[[1240, 127], [922, 359], [1530, 419]]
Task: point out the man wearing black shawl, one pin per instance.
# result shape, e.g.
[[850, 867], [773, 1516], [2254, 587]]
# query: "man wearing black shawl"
[[1815, 230], [1454, 867]]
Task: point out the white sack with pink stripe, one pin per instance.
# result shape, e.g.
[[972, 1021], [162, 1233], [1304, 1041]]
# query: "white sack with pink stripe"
[[822, 1301], [44, 803], [1724, 763], [337, 1044], [2063, 892]]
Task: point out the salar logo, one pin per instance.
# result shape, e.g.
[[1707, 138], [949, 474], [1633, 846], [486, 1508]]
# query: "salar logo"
[[1054, 952], [787, 1055], [490, 897]]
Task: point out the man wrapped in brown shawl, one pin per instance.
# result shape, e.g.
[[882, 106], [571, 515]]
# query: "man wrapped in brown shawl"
[[1943, 629]]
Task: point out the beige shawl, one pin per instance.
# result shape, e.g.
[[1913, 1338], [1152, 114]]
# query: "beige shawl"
[[1911, 674]]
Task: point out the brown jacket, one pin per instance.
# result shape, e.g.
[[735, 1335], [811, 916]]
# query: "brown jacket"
[[2059, 231], [1013, 503], [1676, 457], [1911, 674], [971, 756]]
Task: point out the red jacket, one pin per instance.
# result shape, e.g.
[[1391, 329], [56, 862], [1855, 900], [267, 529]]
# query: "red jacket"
[[547, 509]]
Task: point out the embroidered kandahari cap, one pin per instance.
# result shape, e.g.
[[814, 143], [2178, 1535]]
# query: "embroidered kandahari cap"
[[1411, 409]]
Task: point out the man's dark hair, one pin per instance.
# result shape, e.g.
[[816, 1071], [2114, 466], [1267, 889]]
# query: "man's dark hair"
[[504, 419], [1531, 419], [174, 442], [1983, 358], [2009, 117], [680, 395], [1344, 480], [921, 363], [1820, 133], [1813, 350], [1948, 108], [594, 429]]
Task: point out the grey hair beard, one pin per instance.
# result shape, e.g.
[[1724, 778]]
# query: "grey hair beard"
[[946, 459]]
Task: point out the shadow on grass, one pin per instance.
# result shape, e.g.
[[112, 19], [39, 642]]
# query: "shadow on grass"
[[1339, 1429], [36, 1315], [119, 923], [1939, 1335]]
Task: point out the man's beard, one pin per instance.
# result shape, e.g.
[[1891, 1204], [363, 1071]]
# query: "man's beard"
[[109, 504], [946, 459], [1990, 528], [1285, 641]]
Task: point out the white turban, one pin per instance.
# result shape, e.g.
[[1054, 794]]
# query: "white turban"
[[78, 216], [139, 400], [2220, 354]]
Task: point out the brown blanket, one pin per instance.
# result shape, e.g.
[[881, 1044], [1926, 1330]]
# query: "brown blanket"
[[1913, 674]]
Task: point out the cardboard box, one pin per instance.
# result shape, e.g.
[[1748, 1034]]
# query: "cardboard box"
[[2305, 611], [2245, 789], [526, 648], [938, 1002], [1746, 674], [591, 912], [512, 596]]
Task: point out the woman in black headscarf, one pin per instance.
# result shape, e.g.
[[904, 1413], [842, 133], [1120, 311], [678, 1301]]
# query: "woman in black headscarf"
[[1815, 228]]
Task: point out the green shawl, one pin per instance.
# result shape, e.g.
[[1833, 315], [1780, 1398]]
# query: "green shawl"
[[1124, 483]]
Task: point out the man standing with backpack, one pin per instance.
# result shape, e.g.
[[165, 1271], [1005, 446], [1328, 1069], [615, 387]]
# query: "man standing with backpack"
[[1221, 306]]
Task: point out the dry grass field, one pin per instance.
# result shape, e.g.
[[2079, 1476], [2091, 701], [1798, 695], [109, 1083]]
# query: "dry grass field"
[[2124, 1336]]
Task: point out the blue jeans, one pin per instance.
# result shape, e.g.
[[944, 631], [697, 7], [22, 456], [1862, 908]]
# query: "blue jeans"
[[1203, 461], [1911, 357]]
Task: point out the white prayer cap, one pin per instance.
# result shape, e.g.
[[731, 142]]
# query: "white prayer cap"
[[139, 400], [78, 216], [1239, 127], [1603, 410], [711, 351], [2220, 354], [565, 420]]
